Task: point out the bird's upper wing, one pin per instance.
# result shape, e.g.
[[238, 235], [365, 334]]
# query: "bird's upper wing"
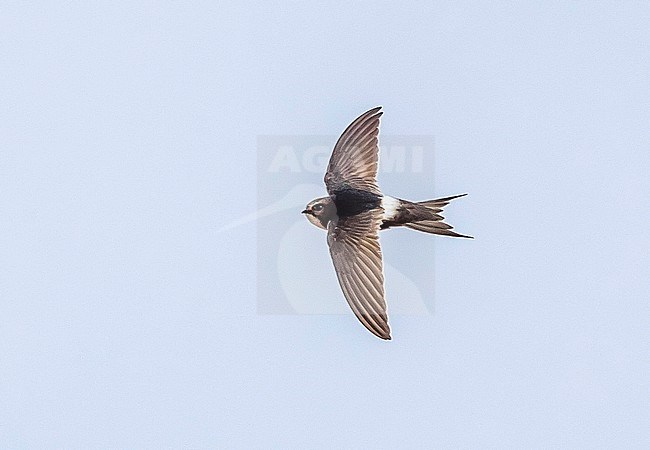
[[356, 255], [353, 163]]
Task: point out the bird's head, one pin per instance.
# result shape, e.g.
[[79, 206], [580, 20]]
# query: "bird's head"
[[320, 211]]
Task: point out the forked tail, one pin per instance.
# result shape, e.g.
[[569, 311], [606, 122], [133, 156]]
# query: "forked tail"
[[428, 219]]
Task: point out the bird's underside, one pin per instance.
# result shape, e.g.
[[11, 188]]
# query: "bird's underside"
[[355, 211]]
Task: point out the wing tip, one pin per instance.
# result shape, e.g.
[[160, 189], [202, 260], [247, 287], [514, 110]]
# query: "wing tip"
[[382, 334], [373, 112]]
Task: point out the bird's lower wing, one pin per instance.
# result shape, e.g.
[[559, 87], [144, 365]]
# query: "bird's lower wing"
[[356, 254]]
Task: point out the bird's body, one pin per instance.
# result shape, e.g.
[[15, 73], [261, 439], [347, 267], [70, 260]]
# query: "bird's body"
[[394, 211], [353, 213]]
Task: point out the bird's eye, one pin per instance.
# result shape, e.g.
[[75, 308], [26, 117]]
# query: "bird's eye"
[[318, 207]]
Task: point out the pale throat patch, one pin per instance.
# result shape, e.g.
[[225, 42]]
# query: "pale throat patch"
[[390, 206]]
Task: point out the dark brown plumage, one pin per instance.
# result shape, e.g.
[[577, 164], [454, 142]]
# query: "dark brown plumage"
[[423, 216], [354, 212]]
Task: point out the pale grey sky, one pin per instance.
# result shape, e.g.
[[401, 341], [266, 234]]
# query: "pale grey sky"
[[129, 137]]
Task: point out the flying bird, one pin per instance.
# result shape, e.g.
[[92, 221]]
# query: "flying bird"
[[354, 212]]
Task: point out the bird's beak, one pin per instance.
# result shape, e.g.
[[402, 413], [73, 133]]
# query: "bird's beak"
[[306, 211]]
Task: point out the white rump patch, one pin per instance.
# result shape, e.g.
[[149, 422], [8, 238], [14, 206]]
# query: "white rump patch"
[[390, 206]]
